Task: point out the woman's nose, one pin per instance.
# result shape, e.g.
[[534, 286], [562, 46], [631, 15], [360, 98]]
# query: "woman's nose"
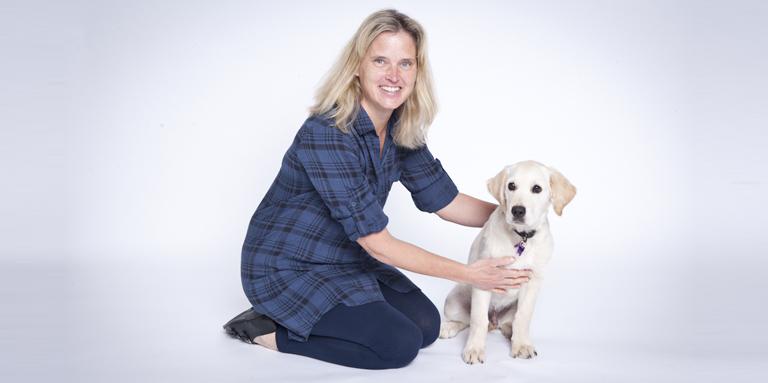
[[393, 73]]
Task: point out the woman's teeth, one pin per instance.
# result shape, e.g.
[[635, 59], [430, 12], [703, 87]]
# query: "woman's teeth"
[[390, 89]]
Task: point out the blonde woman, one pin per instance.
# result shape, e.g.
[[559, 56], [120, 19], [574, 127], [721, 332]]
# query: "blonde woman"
[[318, 264]]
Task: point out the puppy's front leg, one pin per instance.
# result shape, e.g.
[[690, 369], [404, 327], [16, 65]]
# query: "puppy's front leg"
[[474, 350], [521, 341]]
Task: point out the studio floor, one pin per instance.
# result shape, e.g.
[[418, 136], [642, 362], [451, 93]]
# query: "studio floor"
[[157, 322]]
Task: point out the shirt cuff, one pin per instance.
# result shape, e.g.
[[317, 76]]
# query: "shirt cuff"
[[437, 195], [364, 220]]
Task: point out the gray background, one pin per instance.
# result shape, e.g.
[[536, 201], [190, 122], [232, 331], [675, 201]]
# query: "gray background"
[[138, 137]]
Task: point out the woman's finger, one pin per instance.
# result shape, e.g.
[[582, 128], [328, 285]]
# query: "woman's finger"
[[505, 288], [520, 273], [514, 282], [520, 280], [503, 261]]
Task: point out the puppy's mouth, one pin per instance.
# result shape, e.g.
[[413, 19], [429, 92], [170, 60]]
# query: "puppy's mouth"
[[519, 224]]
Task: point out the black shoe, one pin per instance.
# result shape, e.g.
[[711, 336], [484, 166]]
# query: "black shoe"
[[248, 325]]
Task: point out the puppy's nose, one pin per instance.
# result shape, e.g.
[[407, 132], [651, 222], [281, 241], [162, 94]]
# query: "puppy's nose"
[[518, 211]]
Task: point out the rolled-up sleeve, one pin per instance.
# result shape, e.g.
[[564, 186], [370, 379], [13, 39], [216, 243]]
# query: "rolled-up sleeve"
[[423, 175], [337, 173]]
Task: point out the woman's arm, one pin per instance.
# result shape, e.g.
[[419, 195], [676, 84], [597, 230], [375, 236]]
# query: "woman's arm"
[[467, 211], [486, 274]]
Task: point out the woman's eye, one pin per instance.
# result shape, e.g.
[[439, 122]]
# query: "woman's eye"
[[378, 61], [536, 189], [512, 186], [406, 64]]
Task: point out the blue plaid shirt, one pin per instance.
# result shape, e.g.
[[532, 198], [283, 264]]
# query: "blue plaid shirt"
[[300, 258]]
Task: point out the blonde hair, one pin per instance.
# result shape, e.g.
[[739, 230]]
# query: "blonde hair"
[[338, 97]]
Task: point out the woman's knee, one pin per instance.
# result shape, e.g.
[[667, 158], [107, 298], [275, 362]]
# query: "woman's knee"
[[399, 346], [430, 326], [419, 309]]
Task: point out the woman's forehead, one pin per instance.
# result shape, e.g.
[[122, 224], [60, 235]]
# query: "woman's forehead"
[[400, 42]]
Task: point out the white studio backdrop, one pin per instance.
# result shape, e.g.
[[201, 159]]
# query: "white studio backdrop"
[[145, 133]]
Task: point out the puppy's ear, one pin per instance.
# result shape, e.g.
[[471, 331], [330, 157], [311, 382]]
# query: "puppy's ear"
[[496, 186], [562, 190]]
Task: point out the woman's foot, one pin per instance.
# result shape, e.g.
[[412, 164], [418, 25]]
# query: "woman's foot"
[[252, 327], [269, 341]]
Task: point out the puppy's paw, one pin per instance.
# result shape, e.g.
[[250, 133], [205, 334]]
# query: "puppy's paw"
[[449, 329], [472, 355], [524, 351]]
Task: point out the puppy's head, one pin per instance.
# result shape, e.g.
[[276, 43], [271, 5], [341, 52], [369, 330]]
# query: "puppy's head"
[[525, 191]]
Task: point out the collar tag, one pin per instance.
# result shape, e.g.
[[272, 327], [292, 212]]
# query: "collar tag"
[[520, 247]]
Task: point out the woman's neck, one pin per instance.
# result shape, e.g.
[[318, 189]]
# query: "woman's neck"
[[379, 119]]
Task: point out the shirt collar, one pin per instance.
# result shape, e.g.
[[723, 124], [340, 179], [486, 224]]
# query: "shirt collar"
[[363, 124]]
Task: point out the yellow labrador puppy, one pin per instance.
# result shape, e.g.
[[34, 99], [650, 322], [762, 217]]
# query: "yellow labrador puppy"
[[519, 228]]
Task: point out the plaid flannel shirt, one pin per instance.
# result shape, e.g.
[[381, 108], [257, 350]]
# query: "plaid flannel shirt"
[[300, 258]]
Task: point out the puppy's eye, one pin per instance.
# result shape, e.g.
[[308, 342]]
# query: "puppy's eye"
[[536, 189], [512, 186]]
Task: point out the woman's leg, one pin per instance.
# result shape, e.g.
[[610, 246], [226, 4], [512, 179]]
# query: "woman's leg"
[[372, 336], [418, 308]]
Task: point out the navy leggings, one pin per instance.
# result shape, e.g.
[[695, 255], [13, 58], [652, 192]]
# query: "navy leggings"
[[374, 335]]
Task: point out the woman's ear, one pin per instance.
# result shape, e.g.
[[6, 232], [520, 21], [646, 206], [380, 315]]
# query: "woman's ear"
[[496, 187], [562, 191]]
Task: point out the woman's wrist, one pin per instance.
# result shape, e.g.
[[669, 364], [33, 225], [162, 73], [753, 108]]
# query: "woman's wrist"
[[463, 274]]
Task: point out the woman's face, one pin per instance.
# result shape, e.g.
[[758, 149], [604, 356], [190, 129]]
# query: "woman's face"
[[387, 73]]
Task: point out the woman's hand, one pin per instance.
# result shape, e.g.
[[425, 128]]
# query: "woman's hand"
[[491, 274], [486, 274]]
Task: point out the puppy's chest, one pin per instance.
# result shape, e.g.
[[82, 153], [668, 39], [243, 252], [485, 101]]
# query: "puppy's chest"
[[497, 249], [500, 302], [526, 254]]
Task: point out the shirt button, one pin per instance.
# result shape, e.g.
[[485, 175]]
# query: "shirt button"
[[353, 204]]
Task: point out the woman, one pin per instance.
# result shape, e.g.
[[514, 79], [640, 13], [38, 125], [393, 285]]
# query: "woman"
[[317, 262]]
